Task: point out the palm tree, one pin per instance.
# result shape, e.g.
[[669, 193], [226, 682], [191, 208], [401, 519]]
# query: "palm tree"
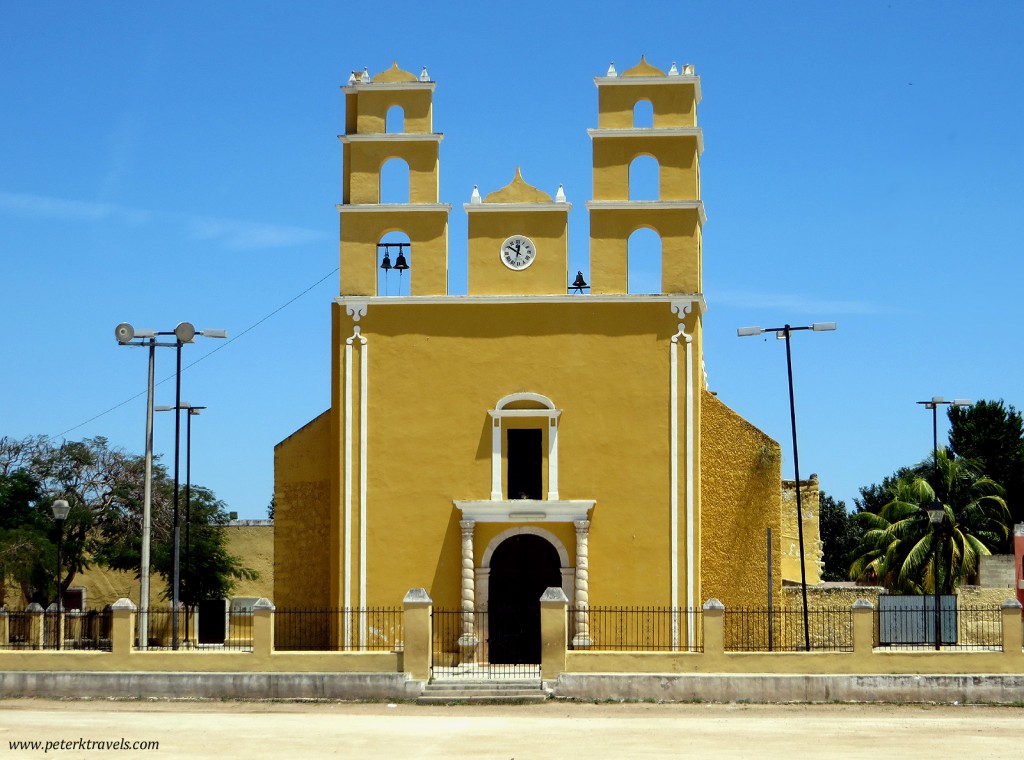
[[900, 550]]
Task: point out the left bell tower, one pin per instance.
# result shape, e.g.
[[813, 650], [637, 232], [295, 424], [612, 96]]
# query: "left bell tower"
[[390, 117]]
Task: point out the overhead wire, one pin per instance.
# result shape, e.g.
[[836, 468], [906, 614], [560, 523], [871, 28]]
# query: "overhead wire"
[[205, 356]]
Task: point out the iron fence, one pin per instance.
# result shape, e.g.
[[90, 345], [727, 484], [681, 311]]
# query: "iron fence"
[[40, 630], [235, 630], [371, 629], [636, 629], [907, 626], [782, 630], [499, 642]]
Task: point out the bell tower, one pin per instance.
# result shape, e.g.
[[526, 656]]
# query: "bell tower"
[[675, 142], [389, 117]]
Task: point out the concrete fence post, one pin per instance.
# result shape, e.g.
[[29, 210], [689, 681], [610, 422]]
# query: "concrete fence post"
[[122, 627], [263, 627], [1013, 636], [554, 632], [418, 646], [5, 628], [863, 627], [714, 627], [35, 625]]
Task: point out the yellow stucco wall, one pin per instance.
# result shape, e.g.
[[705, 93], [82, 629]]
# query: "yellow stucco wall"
[[302, 512], [445, 364], [740, 496], [546, 275], [674, 105]]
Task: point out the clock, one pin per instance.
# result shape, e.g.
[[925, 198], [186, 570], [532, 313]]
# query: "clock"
[[518, 252]]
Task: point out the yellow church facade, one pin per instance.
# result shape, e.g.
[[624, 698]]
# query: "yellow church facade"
[[527, 434]]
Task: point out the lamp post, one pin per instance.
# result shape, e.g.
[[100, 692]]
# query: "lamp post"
[[783, 333], [60, 514], [193, 411], [936, 510], [184, 333]]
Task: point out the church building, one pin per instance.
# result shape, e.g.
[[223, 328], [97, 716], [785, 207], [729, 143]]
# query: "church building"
[[540, 430]]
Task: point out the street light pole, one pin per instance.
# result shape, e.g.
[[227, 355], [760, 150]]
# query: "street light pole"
[[784, 333], [936, 510], [60, 514], [185, 332]]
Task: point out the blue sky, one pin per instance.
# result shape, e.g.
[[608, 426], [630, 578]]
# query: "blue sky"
[[162, 163]]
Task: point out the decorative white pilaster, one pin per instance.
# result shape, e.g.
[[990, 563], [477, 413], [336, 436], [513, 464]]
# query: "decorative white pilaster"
[[581, 634], [468, 641], [347, 547]]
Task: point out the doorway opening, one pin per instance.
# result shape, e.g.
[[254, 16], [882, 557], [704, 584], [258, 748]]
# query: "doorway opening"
[[522, 568]]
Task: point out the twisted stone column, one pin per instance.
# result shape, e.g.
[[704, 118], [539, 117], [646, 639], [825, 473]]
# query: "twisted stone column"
[[467, 641], [581, 634]]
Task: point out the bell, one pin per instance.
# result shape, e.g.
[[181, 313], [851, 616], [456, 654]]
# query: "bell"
[[386, 264], [579, 283], [400, 263]]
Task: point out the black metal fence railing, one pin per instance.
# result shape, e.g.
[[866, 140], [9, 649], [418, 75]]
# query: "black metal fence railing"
[[499, 642], [40, 630], [636, 629], [233, 631], [373, 629], [782, 630], [913, 626]]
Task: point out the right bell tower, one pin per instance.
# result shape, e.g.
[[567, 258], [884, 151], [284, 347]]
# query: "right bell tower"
[[675, 142]]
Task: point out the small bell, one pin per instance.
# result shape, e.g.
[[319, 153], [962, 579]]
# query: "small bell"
[[400, 263], [579, 283], [386, 264]]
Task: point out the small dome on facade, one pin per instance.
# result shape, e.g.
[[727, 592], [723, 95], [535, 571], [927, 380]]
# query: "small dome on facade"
[[395, 74], [518, 191]]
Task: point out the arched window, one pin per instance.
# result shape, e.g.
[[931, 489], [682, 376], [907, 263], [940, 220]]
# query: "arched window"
[[525, 425], [392, 279], [395, 120], [394, 181], [643, 267], [643, 179], [643, 115]]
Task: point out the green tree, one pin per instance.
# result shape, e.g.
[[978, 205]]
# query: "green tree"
[[901, 551], [992, 433], [840, 534]]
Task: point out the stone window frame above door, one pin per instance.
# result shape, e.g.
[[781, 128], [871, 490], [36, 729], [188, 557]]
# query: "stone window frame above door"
[[500, 412]]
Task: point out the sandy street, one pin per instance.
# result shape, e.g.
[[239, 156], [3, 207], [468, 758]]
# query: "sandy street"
[[554, 730]]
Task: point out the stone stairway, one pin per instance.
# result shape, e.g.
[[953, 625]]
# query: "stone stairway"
[[505, 691]]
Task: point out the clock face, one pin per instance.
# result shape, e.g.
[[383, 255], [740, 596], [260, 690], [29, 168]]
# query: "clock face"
[[518, 252]]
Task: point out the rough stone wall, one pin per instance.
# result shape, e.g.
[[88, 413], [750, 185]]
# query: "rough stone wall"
[[252, 541], [740, 500], [810, 499], [302, 521]]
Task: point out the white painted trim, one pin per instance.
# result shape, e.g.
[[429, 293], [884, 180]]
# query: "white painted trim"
[[553, 458], [398, 137], [694, 205], [656, 80], [365, 301], [525, 510], [496, 459], [529, 530], [472, 208], [673, 469], [549, 413], [512, 398], [363, 408], [690, 507], [347, 546], [353, 89], [646, 132], [391, 208]]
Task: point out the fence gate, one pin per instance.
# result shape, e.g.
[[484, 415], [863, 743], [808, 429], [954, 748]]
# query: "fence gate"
[[485, 645]]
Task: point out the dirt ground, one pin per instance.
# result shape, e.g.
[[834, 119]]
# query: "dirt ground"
[[555, 729]]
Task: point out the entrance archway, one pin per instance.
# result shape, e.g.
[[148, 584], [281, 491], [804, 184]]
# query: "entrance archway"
[[522, 567]]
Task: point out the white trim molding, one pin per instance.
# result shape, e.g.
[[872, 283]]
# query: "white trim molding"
[[693, 205], [498, 300], [500, 412], [392, 137], [391, 208], [472, 208], [352, 89], [652, 132], [525, 510], [665, 80]]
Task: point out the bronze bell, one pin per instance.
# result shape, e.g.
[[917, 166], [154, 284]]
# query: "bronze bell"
[[400, 263], [386, 264], [579, 283]]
